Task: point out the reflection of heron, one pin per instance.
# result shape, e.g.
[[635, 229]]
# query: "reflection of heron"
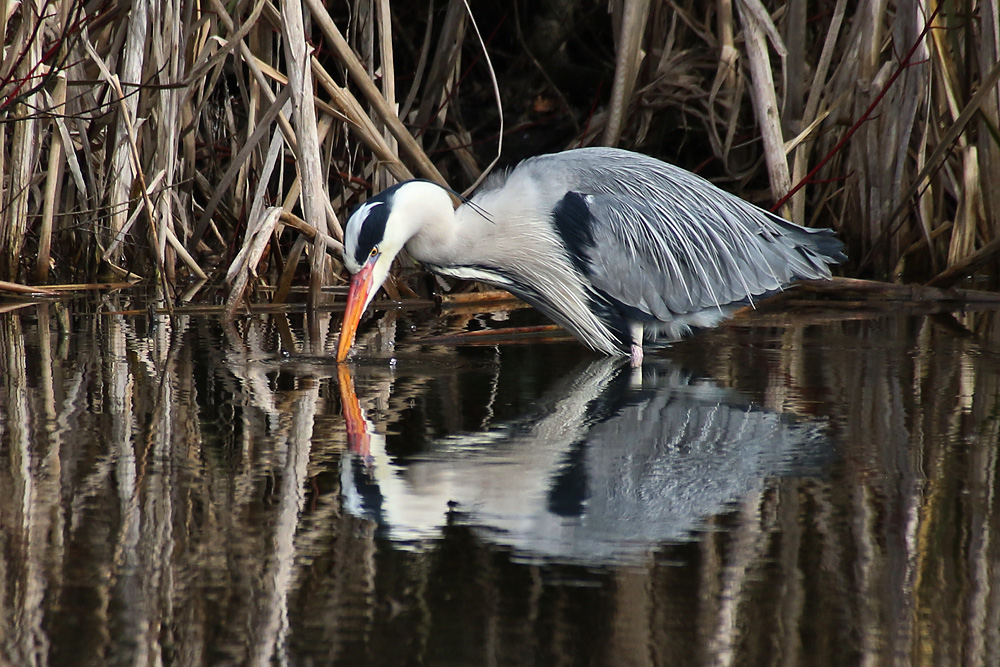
[[601, 469], [614, 246]]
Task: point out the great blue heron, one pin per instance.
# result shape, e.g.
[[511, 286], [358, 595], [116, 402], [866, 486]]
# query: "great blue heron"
[[615, 246]]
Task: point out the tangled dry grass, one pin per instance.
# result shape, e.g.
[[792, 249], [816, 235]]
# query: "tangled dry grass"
[[177, 142]]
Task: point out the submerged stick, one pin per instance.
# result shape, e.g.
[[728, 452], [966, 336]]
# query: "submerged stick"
[[838, 288], [967, 265], [17, 288]]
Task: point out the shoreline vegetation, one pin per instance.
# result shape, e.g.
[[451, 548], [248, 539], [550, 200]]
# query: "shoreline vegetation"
[[210, 151]]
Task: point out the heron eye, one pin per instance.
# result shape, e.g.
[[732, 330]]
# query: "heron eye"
[[373, 252]]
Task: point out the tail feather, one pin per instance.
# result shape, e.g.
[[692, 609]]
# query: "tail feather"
[[821, 242]]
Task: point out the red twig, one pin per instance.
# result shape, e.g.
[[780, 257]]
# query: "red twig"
[[71, 30]]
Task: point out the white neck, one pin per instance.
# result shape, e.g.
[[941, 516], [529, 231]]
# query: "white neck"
[[427, 222]]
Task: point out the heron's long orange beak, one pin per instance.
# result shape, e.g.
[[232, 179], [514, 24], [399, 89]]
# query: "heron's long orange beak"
[[357, 298]]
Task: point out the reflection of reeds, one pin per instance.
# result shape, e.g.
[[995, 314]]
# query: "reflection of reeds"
[[161, 471], [148, 158]]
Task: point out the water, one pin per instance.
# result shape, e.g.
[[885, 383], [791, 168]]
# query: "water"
[[805, 489]]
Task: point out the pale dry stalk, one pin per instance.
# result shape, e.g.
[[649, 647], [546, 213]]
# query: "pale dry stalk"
[[987, 88], [813, 108], [16, 174], [308, 154], [122, 174], [764, 95], [248, 258], [304, 113], [384, 13], [361, 123], [628, 57], [53, 179], [443, 74], [360, 78], [963, 234], [989, 143], [165, 53], [260, 131], [727, 88]]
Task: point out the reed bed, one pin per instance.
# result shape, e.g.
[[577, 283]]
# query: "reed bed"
[[175, 143]]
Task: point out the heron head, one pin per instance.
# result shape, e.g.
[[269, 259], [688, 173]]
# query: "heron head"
[[375, 233]]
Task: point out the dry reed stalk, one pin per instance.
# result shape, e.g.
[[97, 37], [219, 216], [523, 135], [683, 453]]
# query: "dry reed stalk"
[[963, 234], [208, 61], [183, 253], [311, 233], [123, 233], [284, 285], [308, 154], [989, 116], [167, 63], [384, 22], [248, 258], [220, 191], [14, 221], [348, 105], [360, 78], [122, 174], [884, 138], [840, 288], [303, 113], [725, 75], [255, 66], [757, 27], [728, 85], [17, 171], [292, 192], [443, 73], [134, 157], [793, 104], [53, 179], [814, 101], [6, 64], [699, 69], [628, 57], [466, 160], [967, 265], [17, 288], [987, 89], [496, 93]]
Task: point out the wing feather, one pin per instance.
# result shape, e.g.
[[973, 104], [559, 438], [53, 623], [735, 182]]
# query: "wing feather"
[[670, 243]]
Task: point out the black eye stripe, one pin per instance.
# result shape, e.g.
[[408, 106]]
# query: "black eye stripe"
[[372, 231], [373, 226]]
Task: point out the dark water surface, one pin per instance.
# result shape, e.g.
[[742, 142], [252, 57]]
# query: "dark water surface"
[[801, 491]]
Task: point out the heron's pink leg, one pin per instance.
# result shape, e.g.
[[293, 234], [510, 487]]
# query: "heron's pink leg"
[[636, 355]]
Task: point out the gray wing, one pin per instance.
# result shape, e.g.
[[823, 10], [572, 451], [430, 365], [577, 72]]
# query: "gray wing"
[[666, 261], [669, 243]]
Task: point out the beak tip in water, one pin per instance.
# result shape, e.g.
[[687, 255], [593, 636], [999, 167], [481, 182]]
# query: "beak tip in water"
[[343, 351], [348, 331], [357, 298]]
